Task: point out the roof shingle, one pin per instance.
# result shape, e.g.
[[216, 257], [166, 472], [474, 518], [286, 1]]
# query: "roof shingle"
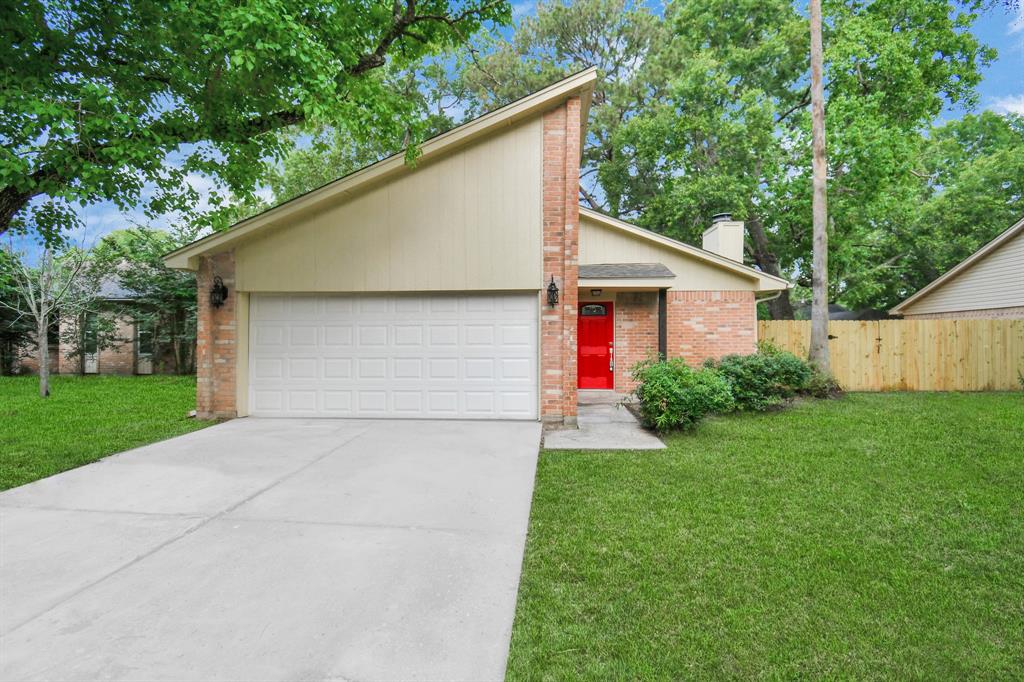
[[625, 271]]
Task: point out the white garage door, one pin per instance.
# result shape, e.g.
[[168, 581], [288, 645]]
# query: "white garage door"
[[428, 356]]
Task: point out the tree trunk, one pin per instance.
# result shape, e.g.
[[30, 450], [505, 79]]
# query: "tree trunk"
[[780, 308], [43, 356], [818, 355], [12, 201]]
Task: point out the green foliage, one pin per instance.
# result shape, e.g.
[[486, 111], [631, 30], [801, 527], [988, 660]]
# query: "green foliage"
[[707, 111], [673, 396], [733, 131], [324, 155], [16, 329], [616, 36], [98, 96], [763, 380], [164, 300]]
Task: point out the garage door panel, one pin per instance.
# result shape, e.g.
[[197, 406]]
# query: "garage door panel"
[[470, 356]]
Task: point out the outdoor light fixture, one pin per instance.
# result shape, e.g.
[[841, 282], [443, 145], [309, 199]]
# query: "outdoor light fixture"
[[552, 293], [218, 292], [596, 292]]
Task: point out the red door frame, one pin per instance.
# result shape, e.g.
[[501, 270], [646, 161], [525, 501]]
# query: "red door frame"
[[591, 372]]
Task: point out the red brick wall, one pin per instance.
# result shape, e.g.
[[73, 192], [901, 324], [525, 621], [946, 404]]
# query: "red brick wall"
[[216, 339], [120, 358], [561, 179], [636, 334], [710, 324], [27, 359]]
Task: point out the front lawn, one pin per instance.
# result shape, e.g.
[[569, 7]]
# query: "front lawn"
[[86, 418], [881, 536]]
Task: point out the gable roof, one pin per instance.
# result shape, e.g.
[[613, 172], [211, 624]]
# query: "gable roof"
[[582, 84], [765, 281], [959, 268]]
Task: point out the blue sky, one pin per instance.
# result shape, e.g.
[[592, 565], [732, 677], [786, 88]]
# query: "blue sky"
[[1002, 90]]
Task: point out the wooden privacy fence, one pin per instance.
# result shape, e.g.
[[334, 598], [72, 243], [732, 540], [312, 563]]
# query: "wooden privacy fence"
[[913, 355]]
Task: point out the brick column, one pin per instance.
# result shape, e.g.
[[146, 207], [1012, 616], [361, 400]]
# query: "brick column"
[[216, 339], [710, 324], [561, 178]]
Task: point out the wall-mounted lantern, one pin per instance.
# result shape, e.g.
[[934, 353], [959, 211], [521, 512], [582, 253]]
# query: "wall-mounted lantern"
[[218, 292], [552, 293]]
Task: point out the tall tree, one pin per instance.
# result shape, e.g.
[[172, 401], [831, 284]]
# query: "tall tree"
[[321, 155], [733, 132], [818, 354], [104, 98], [963, 186], [616, 36], [59, 285], [164, 300]]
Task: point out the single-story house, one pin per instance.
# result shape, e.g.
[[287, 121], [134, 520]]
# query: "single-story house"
[[77, 346], [472, 285], [987, 284]]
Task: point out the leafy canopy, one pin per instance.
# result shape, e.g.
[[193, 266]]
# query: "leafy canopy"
[[103, 99]]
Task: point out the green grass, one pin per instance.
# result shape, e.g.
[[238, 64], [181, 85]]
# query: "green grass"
[[84, 419], [877, 536]]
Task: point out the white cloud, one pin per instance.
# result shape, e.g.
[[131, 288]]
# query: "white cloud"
[[1011, 104], [1017, 25]]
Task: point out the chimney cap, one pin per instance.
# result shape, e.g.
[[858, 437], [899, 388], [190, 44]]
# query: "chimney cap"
[[720, 218]]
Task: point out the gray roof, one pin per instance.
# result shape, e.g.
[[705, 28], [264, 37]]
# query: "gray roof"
[[111, 290], [625, 271]]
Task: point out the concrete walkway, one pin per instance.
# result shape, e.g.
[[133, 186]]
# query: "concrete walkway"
[[273, 550], [603, 424]]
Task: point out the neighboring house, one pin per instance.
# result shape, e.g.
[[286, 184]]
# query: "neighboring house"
[[127, 349], [424, 292], [987, 284]]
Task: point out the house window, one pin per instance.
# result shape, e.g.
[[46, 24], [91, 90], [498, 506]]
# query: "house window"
[[145, 337], [90, 340], [593, 309]]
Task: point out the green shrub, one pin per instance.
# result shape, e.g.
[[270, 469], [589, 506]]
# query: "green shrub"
[[821, 385], [763, 380], [671, 395]]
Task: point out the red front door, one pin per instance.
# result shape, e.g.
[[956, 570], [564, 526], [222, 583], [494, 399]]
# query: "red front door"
[[596, 353]]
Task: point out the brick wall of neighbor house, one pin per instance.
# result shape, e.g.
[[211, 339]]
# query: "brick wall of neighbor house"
[[120, 358], [216, 339], [992, 313], [67, 363], [561, 139], [117, 358], [28, 359], [636, 334], [703, 324]]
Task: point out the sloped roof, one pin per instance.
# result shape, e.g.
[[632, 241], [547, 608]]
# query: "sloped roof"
[[960, 267], [582, 84], [625, 271], [111, 290]]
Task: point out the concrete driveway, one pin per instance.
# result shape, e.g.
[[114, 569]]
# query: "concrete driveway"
[[273, 550]]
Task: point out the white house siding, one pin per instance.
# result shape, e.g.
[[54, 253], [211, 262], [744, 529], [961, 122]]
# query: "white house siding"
[[993, 283], [468, 221]]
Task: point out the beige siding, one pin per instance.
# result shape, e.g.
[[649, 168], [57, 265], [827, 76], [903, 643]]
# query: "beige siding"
[[471, 220], [996, 281], [600, 244]]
